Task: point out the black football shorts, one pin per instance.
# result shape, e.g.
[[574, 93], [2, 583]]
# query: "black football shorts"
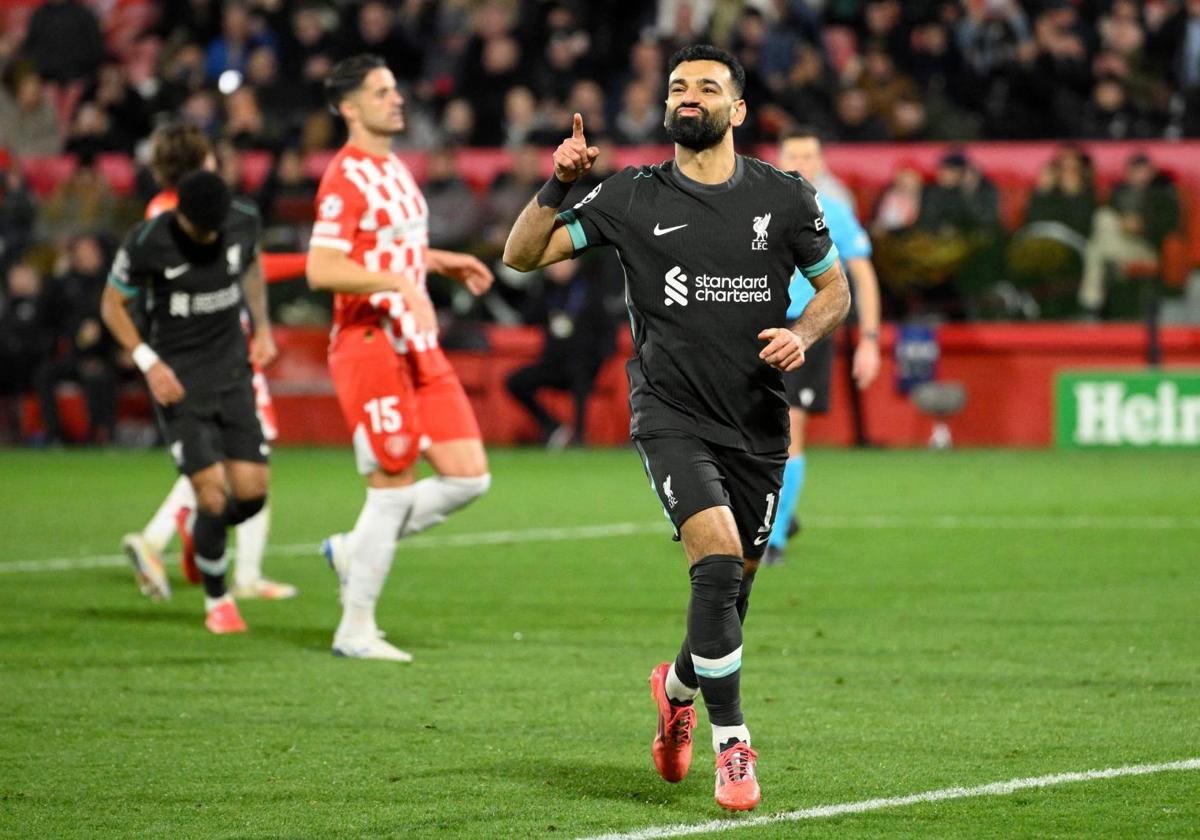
[[205, 428], [807, 387], [690, 475]]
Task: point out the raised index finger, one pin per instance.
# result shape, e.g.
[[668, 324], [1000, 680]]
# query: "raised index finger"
[[577, 127]]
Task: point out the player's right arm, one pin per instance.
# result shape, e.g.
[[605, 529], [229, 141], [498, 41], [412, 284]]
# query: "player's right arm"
[[114, 310], [340, 208], [538, 238]]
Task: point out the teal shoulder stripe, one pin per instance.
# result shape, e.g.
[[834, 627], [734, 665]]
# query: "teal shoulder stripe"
[[819, 268], [123, 288], [149, 226], [575, 229]]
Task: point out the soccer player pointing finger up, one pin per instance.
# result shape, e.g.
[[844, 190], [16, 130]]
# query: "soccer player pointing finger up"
[[709, 241]]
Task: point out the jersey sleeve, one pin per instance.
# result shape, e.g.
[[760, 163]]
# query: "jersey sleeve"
[[599, 218], [848, 235], [340, 207], [129, 272], [251, 227], [812, 247]]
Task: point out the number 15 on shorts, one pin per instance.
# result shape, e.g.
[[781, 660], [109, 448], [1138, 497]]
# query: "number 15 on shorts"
[[385, 414]]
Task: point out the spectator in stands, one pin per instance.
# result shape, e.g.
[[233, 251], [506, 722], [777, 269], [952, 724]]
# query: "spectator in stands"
[[1065, 192], [85, 349], [286, 196], [1109, 115], [201, 109], [884, 85], [124, 108], [853, 120], [91, 132], [181, 75], [240, 34], [18, 213], [521, 118], [454, 211], [28, 122], [499, 70], [807, 92], [308, 49], [640, 120], [578, 338], [900, 205], [1142, 210], [245, 126], [24, 342], [458, 122], [960, 200], [587, 99], [283, 103], [64, 41], [84, 202]]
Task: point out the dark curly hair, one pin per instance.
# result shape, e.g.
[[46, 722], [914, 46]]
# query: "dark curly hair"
[[347, 76], [175, 150], [707, 52]]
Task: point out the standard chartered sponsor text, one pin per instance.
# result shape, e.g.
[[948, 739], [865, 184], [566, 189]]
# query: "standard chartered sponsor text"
[[738, 289]]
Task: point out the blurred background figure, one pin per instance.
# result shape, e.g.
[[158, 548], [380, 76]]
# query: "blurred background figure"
[[578, 338], [83, 351], [1142, 210], [25, 340]]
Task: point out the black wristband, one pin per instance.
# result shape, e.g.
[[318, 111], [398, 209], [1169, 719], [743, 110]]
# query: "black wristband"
[[553, 192]]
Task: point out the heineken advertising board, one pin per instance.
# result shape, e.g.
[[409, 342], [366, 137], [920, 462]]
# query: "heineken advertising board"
[[1098, 408]]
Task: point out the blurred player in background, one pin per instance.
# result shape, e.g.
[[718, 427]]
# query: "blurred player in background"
[[807, 388], [398, 392], [709, 242], [177, 149], [197, 266]]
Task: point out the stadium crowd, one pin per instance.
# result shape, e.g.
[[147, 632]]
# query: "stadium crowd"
[[511, 74]]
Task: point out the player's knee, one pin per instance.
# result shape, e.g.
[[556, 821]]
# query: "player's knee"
[[212, 499], [240, 510], [716, 578], [462, 490]]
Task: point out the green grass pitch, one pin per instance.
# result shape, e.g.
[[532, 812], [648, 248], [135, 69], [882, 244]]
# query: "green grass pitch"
[[944, 619]]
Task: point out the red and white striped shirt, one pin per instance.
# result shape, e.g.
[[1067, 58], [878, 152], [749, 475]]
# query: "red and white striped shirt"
[[371, 208]]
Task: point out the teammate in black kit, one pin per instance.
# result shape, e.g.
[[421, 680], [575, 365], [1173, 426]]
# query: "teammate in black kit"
[[193, 267], [709, 242]]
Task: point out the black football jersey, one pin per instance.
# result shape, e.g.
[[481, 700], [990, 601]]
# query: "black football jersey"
[[193, 296], [707, 268]]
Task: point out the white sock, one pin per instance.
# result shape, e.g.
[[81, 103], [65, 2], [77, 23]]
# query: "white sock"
[[160, 530], [371, 547], [251, 543], [724, 734], [677, 690], [439, 496]]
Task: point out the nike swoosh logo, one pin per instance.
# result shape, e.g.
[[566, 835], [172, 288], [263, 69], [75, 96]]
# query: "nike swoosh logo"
[[659, 231], [174, 271], [761, 540]]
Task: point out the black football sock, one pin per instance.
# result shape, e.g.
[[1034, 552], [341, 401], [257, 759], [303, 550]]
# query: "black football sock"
[[238, 511], [743, 598], [209, 535], [715, 636]]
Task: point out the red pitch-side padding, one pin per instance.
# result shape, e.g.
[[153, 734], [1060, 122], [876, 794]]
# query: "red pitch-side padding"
[[280, 267]]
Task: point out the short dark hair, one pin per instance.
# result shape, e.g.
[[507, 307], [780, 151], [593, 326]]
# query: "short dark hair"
[[347, 76], [707, 52], [802, 132], [175, 150], [204, 199]]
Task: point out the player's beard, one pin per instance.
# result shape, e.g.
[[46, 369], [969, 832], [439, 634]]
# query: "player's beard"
[[696, 133]]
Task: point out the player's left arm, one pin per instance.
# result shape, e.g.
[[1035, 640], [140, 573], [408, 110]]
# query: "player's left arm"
[[866, 300], [262, 343], [466, 269]]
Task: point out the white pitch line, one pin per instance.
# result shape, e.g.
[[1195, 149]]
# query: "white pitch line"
[[625, 529], [824, 811], [583, 532]]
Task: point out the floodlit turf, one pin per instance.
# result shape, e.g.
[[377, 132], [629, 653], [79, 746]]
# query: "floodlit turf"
[[944, 619]]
